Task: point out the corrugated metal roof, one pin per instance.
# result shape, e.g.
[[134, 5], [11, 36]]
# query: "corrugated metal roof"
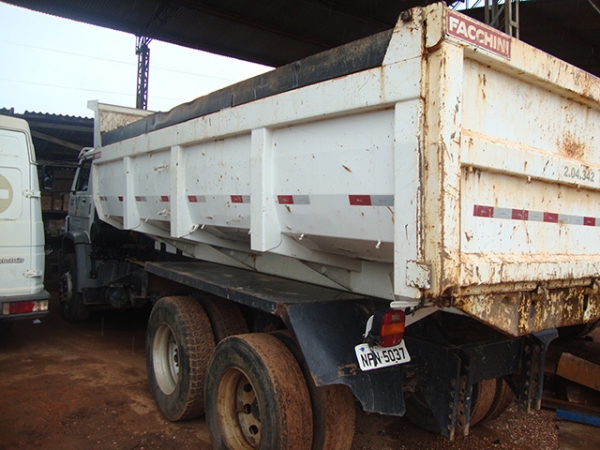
[[57, 137]]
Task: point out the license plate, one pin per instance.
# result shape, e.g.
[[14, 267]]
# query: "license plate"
[[377, 357]]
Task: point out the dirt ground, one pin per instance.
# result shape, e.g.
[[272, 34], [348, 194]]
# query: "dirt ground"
[[84, 386]]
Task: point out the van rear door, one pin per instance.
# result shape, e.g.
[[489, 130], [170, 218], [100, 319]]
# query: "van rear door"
[[21, 226]]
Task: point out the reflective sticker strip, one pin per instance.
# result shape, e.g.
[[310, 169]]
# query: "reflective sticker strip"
[[371, 200], [196, 199], [140, 198], [164, 198], [240, 199], [293, 199], [533, 216]]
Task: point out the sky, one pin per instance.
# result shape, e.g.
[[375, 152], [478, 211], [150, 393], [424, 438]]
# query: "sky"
[[54, 65]]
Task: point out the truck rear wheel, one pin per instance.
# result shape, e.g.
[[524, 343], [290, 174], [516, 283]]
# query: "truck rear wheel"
[[502, 400], [490, 399], [334, 414], [179, 344], [256, 396], [225, 317], [484, 394], [72, 308]]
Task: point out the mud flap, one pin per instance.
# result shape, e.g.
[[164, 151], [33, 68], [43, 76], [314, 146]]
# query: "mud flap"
[[327, 333]]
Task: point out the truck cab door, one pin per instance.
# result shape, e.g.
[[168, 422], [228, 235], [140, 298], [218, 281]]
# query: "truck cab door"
[[81, 206]]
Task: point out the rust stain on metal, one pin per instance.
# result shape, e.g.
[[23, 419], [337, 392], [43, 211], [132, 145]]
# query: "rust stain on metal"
[[570, 147], [280, 310], [525, 312], [347, 370]]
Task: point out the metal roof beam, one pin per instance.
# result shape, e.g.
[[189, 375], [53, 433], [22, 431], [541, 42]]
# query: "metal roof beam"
[[56, 140]]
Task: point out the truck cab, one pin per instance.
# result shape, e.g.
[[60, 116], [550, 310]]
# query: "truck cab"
[[22, 293], [99, 263]]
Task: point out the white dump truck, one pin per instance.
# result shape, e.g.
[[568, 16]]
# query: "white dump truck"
[[404, 220], [22, 293]]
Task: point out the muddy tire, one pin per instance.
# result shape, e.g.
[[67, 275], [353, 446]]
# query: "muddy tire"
[[226, 318], [256, 396], [502, 400], [72, 308], [490, 399], [334, 413], [179, 344], [484, 393], [419, 413]]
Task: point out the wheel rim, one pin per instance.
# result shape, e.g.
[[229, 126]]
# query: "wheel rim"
[[238, 411], [166, 359]]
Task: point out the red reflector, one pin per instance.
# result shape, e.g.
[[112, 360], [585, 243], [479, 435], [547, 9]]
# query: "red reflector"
[[21, 307], [392, 328]]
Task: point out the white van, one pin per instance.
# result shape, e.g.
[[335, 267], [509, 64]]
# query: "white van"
[[22, 293]]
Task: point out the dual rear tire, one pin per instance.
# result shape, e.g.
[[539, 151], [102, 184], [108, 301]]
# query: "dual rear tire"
[[255, 389], [256, 396], [490, 399], [179, 344]]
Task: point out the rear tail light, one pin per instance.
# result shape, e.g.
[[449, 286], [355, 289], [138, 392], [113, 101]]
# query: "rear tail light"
[[11, 308], [391, 330]]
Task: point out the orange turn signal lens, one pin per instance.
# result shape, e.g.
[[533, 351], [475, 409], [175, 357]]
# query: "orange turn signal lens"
[[392, 328]]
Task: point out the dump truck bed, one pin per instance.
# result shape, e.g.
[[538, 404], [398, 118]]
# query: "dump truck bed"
[[453, 167]]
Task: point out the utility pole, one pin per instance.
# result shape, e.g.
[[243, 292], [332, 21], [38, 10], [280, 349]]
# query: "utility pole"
[[504, 17], [165, 10], [143, 53]]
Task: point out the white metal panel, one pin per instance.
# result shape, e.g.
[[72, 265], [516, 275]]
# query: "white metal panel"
[[21, 227], [109, 189], [265, 230], [408, 175], [531, 181], [217, 185], [502, 106], [322, 170], [394, 181], [148, 177], [443, 93]]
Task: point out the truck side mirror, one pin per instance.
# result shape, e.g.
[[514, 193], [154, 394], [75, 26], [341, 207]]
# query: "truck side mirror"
[[48, 178]]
